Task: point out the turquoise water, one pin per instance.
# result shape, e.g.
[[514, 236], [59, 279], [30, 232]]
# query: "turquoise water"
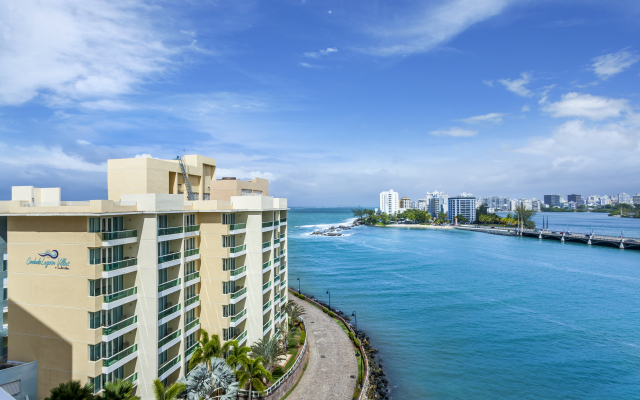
[[466, 315]]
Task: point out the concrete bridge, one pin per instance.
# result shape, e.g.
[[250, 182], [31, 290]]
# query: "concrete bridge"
[[590, 239]]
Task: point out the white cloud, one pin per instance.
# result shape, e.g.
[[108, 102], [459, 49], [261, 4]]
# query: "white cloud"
[[78, 49], [51, 157], [587, 106], [243, 174], [493, 118], [455, 132], [143, 155], [320, 53], [307, 65], [83, 142], [611, 64], [526, 108], [488, 83], [427, 28], [106, 105], [517, 85]]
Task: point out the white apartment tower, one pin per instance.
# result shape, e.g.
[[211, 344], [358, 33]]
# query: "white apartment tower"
[[389, 202]]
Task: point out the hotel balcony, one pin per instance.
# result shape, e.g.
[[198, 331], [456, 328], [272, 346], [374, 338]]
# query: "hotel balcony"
[[283, 284], [191, 255], [169, 367], [276, 261], [191, 303], [238, 295], [241, 338], [266, 328], [192, 279], [238, 273], [283, 267], [283, 236], [235, 229], [237, 251], [276, 298], [266, 246], [109, 270], [119, 329], [276, 280], [113, 300], [191, 327], [238, 318], [169, 287], [119, 237], [269, 226], [169, 314], [178, 232], [267, 307], [169, 260], [188, 353], [169, 341], [283, 221], [118, 360], [283, 299], [266, 267], [266, 287]]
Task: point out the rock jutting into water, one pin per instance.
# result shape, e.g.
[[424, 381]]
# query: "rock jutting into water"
[[334, 231]]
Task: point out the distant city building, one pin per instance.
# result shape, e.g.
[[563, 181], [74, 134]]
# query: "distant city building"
[[435, 206], [422, 204], [442, 204], [389, 202], [576, 198], [604, 201], [624, 198], [636, 198], [572, 205], [553, 200], [527, 204], [462, 205], [496, 202], [405, 203], [513, 204]]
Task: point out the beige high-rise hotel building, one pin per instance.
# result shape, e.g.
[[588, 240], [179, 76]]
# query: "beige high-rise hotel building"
[[119, 288]]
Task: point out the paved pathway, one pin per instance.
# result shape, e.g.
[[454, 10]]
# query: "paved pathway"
[[332, 359]]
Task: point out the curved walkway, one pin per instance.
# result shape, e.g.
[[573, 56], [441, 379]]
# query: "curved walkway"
[[332, 359]]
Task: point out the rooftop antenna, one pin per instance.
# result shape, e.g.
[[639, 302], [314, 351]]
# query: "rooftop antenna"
[[185, 175]]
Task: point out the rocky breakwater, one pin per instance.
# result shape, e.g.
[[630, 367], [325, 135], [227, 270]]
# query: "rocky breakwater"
[[335, 230]]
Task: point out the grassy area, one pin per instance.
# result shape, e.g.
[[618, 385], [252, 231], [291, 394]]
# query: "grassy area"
[[360, 366], [342, 325], [298, 381]]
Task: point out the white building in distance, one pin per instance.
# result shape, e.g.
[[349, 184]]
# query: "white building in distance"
[[464, 205], [624, 198], [389, 202]]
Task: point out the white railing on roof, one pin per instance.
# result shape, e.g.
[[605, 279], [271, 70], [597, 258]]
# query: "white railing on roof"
[[55, 203]]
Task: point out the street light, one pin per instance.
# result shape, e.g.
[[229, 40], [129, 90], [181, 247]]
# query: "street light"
[[298, 285], [329, 293], [353, 314]]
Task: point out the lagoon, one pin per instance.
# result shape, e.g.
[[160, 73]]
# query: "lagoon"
[[466, 315]]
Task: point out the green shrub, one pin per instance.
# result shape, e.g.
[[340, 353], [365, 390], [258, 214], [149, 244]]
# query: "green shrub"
[[351, 335], [302, 336], [277, 373], [303, 297], [356, 342], [331, 314], [324, 309]]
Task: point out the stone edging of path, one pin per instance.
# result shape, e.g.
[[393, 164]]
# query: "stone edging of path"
[[365, 385]]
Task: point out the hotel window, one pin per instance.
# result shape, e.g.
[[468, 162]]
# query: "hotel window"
[[228, 287], [189, 268], [228, 219], [111, 224], [190, 244], [162, 221], [228, 311], [229, 241], [163, 248], [247, 192], [206, 196], [189, 316], [190, 292], [189, 341], [189, 219], [162, 358], [106, 255], [228, 334], [257, 192], [99, 287], [228, 264]]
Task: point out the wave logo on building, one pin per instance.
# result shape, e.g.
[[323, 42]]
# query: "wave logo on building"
[[51, 254]]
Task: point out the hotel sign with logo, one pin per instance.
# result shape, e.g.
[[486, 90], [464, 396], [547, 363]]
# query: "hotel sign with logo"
[[49, 257]]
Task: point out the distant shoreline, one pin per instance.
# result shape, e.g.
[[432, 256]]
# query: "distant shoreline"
[[418, 226]]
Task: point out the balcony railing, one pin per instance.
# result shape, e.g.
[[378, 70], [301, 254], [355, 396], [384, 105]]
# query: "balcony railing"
[[119, 264], [282, 252], [276, 241], [120, 356], [192, 228], [283, 283], [241, 336], [168, 365], [133, 378], [266, 244], [108, 330], [239, 315], [283, 220], [276, 223], [276, 279], [168, 338], [266, 265], [276, 260], [238, 249], [192, 252], [238, 293], [168, 257], [191, 349], [283, 299], [119, 235], [108, 298], [238, 271], [170, 231], [282, 235], [191, 324], [235, 227], [277, 316], [266, 305], [168, 285], [266, 326], [276, 297], [192, 276], [267, 224], [266, 285], [168, 311], [191, 300], [283, 266]]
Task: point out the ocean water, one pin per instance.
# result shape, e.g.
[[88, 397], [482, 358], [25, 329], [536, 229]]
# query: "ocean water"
[[466, 315]]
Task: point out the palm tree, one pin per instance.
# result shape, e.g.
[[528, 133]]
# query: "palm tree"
[[253, 372], [71, 390], [237, 354], [119, 390], [169, 393], [207, 348], [219, 383], [268, 350], [293, 310], [525, 216]]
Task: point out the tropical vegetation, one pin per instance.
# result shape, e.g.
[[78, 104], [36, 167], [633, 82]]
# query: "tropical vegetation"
[[252, 373], [71, 390], [119, 389]]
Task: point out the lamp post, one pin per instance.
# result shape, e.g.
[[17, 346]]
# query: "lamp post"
[[298, 285], [329, 293], [353, 314]]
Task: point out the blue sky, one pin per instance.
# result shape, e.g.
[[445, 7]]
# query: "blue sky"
[[333, 101]]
